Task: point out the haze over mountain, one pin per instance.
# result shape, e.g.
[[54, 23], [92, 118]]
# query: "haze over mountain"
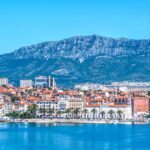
[[80, 59]]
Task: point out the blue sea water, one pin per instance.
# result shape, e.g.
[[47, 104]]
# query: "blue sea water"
[[19, 136]]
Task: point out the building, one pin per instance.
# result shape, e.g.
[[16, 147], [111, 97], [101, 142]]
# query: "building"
[[3, 81], [26, 83], [49, 104], [44, 81], [140, 105], [63, 102], [76, 102], [7, 108], [52, 83]]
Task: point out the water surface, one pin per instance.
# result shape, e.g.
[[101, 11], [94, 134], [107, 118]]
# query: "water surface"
[[19, 136]]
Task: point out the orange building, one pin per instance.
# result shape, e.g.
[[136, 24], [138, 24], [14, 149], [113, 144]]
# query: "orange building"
[[141, 105]]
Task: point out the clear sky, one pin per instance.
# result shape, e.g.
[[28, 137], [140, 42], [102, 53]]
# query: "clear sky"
[[26, 22]]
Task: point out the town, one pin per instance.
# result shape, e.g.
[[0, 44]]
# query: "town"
[[42, 99]]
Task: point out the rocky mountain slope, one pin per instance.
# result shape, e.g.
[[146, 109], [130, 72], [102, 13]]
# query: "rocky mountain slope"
[[80, 59]]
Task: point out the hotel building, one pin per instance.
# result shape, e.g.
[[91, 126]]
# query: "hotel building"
[[26, 83], [3, 81]]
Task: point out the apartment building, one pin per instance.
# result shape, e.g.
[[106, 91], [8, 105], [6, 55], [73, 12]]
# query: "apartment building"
[[26, 83], [63, 102], [76, 101], [44, 81], [140, 105], [3, 81]]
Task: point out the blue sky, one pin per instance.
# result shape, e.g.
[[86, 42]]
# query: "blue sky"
[[26, 22]]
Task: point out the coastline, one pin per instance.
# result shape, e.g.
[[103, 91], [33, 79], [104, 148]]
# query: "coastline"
[[75, 121]]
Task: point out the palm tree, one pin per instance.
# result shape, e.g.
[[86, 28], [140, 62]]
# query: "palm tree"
[[42, 111], [94, 112], [103, 114], [119, 112], [32, 110], [50, 112], [68, 111], [111, 112], [59, 113], [85, 111], [76, 112]]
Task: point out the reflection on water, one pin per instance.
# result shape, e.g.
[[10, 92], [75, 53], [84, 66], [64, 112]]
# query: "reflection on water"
[[15, 136]]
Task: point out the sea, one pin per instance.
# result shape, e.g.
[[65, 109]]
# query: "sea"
[[31, 136]]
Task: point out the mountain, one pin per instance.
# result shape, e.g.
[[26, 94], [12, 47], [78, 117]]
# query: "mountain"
[[80, 59]]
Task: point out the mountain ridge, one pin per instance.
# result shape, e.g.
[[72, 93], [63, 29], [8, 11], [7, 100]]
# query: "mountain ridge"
[[80, 59]]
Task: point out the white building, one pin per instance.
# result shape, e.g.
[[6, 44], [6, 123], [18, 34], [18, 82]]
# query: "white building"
[[44, 81], [7, 108], [48, 105], [26, 83], [126, 112], [3, 81], [63, 102], [23, 107], [1, 106]]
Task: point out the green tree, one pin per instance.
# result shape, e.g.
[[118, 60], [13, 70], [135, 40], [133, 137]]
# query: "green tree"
[[76, 112], [85, 111], [119, 112], [25, 115], [50, 112], [32, 110], [148, 93], [14, 98], [147, 116], [103, 114], [42, 111], [111, 112], [94, 111], [59, 113], [68, 111], [13, 114]]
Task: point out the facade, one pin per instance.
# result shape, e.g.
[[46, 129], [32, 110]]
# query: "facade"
[[1, 106], [63, 102], [26, 83], [3, 81], [44, 81], [126, 111], [76, 102], [7, 108], [47, 105], [52, 83], [140, 105]]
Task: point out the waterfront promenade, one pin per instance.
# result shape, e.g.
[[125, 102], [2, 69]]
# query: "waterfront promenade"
[[79, 121]]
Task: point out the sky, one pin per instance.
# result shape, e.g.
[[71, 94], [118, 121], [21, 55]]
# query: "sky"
[[26, 22]]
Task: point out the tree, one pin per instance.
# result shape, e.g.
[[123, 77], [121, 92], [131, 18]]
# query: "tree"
[[22, 93], [103, 114], [76, 112], [59, 113], [111, 112], [49, 88], [147, 116], [85, 111], [94, 112], [50, 112], [42, 111], [13, 114], [25, 115], [14, 98], [148, 93], [68, 111], [119, 112], [32, 110]]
